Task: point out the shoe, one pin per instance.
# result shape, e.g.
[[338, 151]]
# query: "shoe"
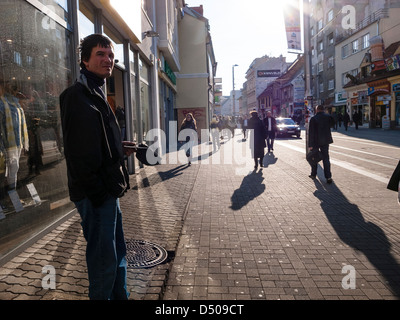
[[255, 167], [329, 180], [189, 163], [312, 176]]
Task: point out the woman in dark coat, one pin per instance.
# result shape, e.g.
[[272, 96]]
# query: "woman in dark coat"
[[257, 139], [189, 123]]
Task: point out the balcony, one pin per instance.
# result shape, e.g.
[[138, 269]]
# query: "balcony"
[[374, 17]]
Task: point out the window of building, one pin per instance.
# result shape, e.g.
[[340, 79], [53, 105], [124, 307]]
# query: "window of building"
[[345, 51], [85, 20], [320, 66], [321, 45], [320, 25], [331, 84], [354, 46], [365, 41], [330, 39], [346, 79], [330, 15], [321, 87], [331, 62], [312, 31]]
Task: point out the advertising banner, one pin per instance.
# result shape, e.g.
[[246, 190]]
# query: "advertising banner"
[[291, 14]]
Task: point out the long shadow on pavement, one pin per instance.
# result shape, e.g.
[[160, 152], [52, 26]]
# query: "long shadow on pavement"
[[365, 236], [250, 188]]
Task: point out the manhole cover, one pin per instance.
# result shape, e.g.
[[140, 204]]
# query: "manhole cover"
[[143, 254]]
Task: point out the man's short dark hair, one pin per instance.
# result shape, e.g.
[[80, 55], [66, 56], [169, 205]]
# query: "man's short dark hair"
[[90, 42], [320, 107]]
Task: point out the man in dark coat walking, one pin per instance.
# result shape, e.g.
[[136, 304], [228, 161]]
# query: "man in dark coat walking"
[[258, 136], [320, 137], [270, 125]]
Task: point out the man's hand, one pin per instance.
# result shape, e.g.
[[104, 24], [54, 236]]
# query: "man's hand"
[[129, 147]]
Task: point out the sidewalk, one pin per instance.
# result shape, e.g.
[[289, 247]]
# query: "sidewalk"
[[153, 211], [231, 233]]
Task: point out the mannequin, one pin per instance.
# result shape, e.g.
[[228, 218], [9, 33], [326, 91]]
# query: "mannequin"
[[14, 133]]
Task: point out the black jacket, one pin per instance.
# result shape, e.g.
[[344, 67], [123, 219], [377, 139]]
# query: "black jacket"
[[273, 124], [92, 145], [320, 130]]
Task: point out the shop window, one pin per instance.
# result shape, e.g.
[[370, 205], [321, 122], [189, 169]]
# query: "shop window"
[[117, 43], [35, 69], [86, 20]]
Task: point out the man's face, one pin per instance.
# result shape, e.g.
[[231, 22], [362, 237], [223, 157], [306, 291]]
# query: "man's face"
[[101, 62]]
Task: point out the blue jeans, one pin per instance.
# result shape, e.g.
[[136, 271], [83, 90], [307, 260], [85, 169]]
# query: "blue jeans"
[[105, 250], [325, 161]]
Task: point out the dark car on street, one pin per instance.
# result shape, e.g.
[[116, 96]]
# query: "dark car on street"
[[287, 127]]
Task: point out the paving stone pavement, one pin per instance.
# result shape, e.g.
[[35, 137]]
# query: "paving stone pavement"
[[275, 234], [153, 211], [234, 233]]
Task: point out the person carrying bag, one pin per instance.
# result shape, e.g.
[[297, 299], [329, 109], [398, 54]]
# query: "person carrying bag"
[[394, 182]]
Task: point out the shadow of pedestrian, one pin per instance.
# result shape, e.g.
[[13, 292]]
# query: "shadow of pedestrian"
[[164, 175], [250, 188], [269, 159], [365, 236]]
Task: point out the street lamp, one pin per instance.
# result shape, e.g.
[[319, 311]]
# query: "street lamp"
[[233, 85]]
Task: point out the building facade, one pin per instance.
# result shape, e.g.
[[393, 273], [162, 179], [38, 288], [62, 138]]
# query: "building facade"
[[261, 72], [195, 80], [38, 52]]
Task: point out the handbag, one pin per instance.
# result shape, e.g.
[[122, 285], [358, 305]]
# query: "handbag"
[[394, 179], [141, 155], [314, 156]]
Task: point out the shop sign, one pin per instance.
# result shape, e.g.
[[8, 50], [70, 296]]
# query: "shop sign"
[[396, 87], [170, 74], [354, 101], [379, 90], [393, 63], [268, 73], [385, 97], [340, 97], [378, 65]]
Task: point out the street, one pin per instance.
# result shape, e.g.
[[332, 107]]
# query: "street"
[[235, 233], [277, 234]]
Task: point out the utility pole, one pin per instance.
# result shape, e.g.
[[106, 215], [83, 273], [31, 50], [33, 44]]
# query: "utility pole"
[[233, 86], [308, 99]]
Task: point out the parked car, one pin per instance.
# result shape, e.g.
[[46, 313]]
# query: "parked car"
[[286, 126]]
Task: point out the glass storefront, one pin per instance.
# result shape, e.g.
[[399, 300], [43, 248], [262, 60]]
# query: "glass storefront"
[[35, 67], [397, 109], [144, 98]]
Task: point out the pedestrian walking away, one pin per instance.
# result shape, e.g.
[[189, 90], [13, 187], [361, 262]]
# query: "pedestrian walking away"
[[346, 120], [270, 125], [356, 119], [189, 123], [214, 129], [320, 137], [97, 176], [257, 138]]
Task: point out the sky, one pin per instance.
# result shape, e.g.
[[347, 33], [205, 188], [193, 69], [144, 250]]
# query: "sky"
[[242, 31]]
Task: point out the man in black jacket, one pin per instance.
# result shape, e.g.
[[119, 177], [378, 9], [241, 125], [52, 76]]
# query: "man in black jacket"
[[320, 137], [97, 176], [270, 125]]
